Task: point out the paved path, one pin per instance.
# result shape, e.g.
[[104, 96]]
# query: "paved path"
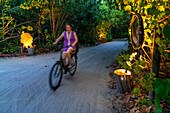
[[24, 84]]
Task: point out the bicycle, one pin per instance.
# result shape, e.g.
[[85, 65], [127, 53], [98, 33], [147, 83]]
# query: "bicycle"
[[56, 73]]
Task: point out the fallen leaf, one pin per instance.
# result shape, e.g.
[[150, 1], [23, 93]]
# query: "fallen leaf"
[[144, 108], [148, 109], [133, 96], [133, 110], [127, 99], [117, 96], [131, 104], [137, 111], [135, 103], [123, 105], [126, 93], [161, 105]]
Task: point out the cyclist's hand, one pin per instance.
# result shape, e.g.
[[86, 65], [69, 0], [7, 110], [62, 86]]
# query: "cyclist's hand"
[[54, 44]]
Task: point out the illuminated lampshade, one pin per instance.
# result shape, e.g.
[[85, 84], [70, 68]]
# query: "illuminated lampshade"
[[123, 80]]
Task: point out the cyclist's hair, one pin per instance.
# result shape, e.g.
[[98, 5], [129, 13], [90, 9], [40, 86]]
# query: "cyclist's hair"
[[69, 24]]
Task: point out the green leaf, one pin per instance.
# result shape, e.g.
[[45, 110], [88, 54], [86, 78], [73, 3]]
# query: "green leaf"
[[136, 79], [158, 110], [149, 87], [126, 57], [143, 101], [142, 63], [153, 11], [137, 62], [166, 31], [158, 31], [140, 80], [42, 22], [168, 102], [146, 77], [119, 58], [157, 40], [150, 103], [136, 91], [157, 101], [166, 54], [139, 105], [161, 88], [161, 49], [168, 84], [136, 71]]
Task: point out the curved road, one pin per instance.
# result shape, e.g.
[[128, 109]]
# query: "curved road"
[[24, 83]]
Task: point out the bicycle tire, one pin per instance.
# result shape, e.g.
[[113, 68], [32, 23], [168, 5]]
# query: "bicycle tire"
[[57, 67], [137, 37], [74, 65]]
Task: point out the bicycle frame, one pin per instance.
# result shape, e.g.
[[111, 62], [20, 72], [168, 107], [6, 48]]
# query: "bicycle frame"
[[61, 59]]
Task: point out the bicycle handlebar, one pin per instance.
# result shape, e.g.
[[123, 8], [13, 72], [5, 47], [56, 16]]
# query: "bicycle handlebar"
[[64, 46], [67, 46]]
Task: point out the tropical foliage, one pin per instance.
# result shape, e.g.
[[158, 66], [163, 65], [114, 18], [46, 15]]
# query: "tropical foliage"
[[45, 20], [156, 18]]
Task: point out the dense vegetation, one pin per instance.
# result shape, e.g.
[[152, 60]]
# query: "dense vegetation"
[[93, 20], [148, 75]]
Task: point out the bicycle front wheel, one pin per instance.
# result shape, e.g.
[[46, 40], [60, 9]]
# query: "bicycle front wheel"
[[56, 75], [74, 65]]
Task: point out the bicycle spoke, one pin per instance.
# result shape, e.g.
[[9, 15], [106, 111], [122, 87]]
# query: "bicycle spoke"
[[55, 76]]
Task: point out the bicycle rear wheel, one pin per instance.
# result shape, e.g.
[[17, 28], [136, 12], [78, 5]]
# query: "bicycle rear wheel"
[[56, 75], [74, 65], [137, 31]]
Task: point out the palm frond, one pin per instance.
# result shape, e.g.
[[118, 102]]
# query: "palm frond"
[[17, 11]]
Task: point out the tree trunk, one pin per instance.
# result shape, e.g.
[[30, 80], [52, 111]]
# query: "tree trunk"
[[155, 64], [53, 21]]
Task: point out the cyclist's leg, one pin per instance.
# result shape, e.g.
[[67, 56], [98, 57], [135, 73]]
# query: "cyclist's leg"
[[69, 56], [64, 55]]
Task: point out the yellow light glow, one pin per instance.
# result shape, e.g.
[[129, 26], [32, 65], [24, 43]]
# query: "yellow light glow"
[[122, 72], [26, 39], [128, 63]]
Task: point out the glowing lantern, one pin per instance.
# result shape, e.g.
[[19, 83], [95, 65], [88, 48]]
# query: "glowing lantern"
[[27, 40], [123, 80]]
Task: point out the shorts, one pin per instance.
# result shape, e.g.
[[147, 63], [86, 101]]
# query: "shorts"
[[65, 50]]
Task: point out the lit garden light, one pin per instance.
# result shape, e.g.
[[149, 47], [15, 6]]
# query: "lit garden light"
[[27, 41], [123, 80]]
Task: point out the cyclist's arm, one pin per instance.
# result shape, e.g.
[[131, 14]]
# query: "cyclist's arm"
[[76, 40], [59, 38]]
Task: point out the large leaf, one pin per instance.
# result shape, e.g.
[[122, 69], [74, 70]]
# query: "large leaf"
[[157, 101], [161, 88], [158, 110], [17, 10], [168, 102], [143, 101], [136, 91], [150, 103], [166, 32], [153, 11]]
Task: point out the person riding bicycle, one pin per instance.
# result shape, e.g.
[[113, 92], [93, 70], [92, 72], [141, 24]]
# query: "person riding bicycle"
[[70, 40]]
